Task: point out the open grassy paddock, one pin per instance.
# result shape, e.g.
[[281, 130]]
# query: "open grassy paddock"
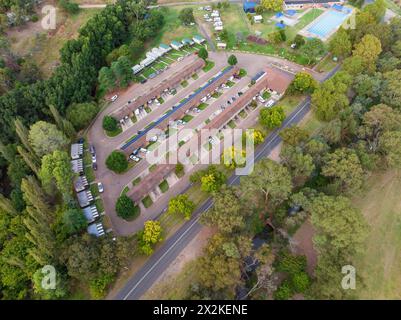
[[43, 46], [380, 263]]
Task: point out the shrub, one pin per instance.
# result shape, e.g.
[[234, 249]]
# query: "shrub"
[[126, 208], [117, 162], [283, 292], [300, 282], [179, 170], [81, 114], [110, 123]]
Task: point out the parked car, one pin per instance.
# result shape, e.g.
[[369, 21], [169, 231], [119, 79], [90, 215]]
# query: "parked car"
[[134, 158], [144, 150], [92, 150], [135, 152], [94, 166], [100, 187], [114, 98], [143, 81], [81, 140], [93, 158]]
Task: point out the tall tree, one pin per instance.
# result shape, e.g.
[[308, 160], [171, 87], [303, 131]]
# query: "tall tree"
[[267, 186], [30, 159], [227, 214], [368, 49], [344, 167], [46, 138], [23, 134], [340, 44]]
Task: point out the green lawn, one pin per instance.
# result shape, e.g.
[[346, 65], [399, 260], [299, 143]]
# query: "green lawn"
[[187, 118], [230, 83], [242, 73], [173, 29], [380, 262], [164, 186], [209, 65], [266, 95], [203, 106], [232, 124], [152, 167], [147, 201], [136, 181], [327, 64], [114, 133]]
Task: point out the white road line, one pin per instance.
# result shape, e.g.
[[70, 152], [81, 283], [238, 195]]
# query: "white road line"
[[197, 218], [168, 250]]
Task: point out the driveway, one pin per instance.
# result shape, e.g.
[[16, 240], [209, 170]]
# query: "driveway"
[[114, 183]]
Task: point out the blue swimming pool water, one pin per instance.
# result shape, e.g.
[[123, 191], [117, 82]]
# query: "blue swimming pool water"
[[327, 23]]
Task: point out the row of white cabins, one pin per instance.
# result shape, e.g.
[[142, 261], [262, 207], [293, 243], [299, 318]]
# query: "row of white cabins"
[[156, 53]]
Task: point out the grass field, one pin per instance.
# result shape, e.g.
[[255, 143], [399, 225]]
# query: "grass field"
[[173, 29], [44, 46], [380, 263]]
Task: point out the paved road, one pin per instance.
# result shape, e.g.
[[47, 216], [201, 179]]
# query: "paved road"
[[115, 183], [137, 285], [149, 273]]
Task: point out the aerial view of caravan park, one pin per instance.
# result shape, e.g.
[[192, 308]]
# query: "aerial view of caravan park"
[[243, 151]]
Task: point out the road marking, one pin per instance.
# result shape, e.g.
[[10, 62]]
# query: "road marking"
[[207, 208]]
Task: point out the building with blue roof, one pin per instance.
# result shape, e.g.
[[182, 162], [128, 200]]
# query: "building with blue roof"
[[280, 25], [176, 45], [249, 6]]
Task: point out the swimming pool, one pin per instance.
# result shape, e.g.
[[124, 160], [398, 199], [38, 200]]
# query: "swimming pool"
[[327, 23]]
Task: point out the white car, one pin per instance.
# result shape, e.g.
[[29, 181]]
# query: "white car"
[[114, 98], [134, 158], [144, 150], [153, 139], [100, 187]]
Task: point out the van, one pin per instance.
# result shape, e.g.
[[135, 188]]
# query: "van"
[[114, 98]]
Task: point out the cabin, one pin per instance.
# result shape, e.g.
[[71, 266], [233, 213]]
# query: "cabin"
[[198, 39], [176, 45]]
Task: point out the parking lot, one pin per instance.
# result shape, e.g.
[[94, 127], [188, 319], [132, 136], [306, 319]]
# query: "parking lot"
[[196, 118]]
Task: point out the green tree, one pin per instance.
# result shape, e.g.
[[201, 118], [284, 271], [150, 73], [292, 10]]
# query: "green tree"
[[30, 159], [110, 123], [299, 41], [23, 134], [300, 165], [149, 236], [186, 16], [212, 180], [272, 5], [181, 205], [390, 146], [303, 83], [126, 208], [179, 169], [57, 167], [391, 94], [202, 53], [73, 221], [294, 135], [232, 60], [117, 162], [269, 185], [340, 44], [312, 49], [272, 117], [59, 292], [226, 214], [107, 79], [340, 233], [45, 138], [368, 49], [81, 114], [344, 167], [329, 99]]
